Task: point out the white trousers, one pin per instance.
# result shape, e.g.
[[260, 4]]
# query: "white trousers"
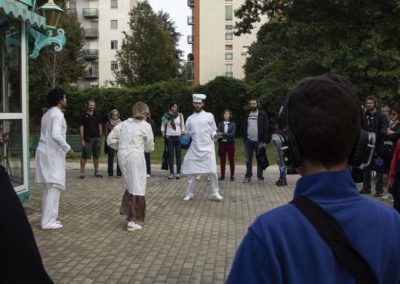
[[50, 204], [213, 184]]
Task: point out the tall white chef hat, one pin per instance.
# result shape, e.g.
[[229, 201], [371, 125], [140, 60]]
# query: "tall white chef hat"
[[198, 98]]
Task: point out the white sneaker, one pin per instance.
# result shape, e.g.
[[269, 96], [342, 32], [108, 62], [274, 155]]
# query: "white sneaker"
[[188, 197], [171, 176], [148, 176], [387, 196], [132, 226], [218, 197], [54, 226]]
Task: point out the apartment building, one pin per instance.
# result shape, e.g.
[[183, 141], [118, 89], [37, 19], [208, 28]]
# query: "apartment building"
[[103, 22], [216, 51]]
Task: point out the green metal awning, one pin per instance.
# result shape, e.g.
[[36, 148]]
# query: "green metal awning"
[[20, 11]]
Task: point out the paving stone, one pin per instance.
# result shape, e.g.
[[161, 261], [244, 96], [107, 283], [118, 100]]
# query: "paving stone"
[[180, 242]]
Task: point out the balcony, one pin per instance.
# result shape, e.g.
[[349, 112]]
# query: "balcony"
[[90, 13], [190, 39], [91, 73], [91, 33], [191, 3], [190, 58], [190, 20], [90, 54]]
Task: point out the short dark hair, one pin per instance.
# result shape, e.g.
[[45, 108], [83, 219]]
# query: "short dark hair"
[[374, 99], [172, 104], [54, 96], [324, 116]]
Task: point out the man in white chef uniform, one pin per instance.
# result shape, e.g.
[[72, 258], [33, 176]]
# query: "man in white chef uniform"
[[50, 158], [200, 158]]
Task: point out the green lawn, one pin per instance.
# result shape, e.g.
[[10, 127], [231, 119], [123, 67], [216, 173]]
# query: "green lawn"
[[156, 156]]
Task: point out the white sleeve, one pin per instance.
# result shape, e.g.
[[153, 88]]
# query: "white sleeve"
[[56, 133], [149, 143], [213, 126]]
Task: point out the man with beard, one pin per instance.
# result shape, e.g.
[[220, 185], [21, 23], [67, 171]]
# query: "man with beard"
[[378, 124], [255, 135], [200, 158]]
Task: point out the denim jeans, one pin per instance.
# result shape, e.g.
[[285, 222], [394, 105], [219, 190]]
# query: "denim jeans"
[[111, 154], [148, 163], [251, 147], [367, 180], [174, 146]]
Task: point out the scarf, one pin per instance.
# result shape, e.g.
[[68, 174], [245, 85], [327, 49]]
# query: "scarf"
[[169, 117], [114, 122]]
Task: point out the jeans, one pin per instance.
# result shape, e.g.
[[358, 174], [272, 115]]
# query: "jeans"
[[251, 147], [230, 150], [148, 163], [173, 145], [111, 154], [367, 180]]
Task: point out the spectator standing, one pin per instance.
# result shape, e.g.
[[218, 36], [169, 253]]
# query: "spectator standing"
[[378, 124], [173, 126], [200, 158], [227, 130], [132, 138], [282, 181], [50, 158], [114, 120], [283, 245], [255, 129], [146, 154], [90, 130]]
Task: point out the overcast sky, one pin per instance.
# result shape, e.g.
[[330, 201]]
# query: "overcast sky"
[[178, 10]]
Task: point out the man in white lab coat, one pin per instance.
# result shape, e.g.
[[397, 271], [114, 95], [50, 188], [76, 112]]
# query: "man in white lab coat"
[[50, 158], [200, 158]]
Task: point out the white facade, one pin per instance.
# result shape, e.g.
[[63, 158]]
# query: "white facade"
[[220, 53], [104, 22]]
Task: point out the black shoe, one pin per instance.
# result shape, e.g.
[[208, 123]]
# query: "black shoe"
[[260, 179], [379, 194], [246, 180], [232, 178], [364, 191], [221, 178], [281, 182]]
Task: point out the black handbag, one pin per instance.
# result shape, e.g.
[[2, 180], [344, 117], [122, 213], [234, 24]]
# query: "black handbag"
[[262, 158], [164, 163]]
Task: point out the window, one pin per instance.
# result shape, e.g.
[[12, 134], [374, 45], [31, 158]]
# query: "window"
[[228, 70], [228, 36], [228, 55], [229, 27], [114, 44], [114, 65], [228, 47], [114, 24], [228, 13], [114, 4]]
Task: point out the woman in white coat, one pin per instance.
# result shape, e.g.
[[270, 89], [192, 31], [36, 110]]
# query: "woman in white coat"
[[132, 138], [50, 157]]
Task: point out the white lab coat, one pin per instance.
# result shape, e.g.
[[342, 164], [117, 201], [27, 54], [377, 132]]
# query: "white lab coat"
[[132, 138], [200, 158], [52, 149]]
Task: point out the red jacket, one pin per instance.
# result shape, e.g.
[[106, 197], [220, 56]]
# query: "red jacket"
[[393, 164]]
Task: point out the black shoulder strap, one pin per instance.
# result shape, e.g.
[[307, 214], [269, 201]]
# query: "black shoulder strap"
[[332, 233]]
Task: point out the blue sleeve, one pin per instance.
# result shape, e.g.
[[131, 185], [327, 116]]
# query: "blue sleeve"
[[250, 264]]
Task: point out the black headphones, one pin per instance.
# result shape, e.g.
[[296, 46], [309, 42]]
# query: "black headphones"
[[288, 151]]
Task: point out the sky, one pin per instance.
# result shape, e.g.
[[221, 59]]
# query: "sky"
[[178, 11]]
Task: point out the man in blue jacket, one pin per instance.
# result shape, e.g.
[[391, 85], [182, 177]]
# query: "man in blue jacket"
[[282, 246]]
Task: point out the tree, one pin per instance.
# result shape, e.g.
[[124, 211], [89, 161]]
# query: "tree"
[[148, 53], [358, 40], [169, 26], [53, 68]]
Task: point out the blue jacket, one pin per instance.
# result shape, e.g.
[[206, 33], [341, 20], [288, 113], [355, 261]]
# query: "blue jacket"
[[281, 246]]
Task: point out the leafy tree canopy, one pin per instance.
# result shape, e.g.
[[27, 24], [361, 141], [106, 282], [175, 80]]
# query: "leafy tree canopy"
[[148, 52], [359, 40]]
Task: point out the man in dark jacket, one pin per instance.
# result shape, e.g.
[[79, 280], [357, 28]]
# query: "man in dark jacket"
[[255, 127], [376, 123]]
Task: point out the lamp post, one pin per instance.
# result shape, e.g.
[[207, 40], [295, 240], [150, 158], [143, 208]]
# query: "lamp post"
[[52, 13]]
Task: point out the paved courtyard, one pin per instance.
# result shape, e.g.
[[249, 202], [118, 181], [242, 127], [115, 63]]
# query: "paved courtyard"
[[181, 241]]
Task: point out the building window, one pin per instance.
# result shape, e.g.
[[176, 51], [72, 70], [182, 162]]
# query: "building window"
[[228, 13], [228, 55], [114, 44], [228, 47], [228, 36], [114, 24], [229, 27], [114, 65], [114, 4], [228, 70]]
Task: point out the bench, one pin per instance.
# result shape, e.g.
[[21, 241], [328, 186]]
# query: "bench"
[[74, 140]]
